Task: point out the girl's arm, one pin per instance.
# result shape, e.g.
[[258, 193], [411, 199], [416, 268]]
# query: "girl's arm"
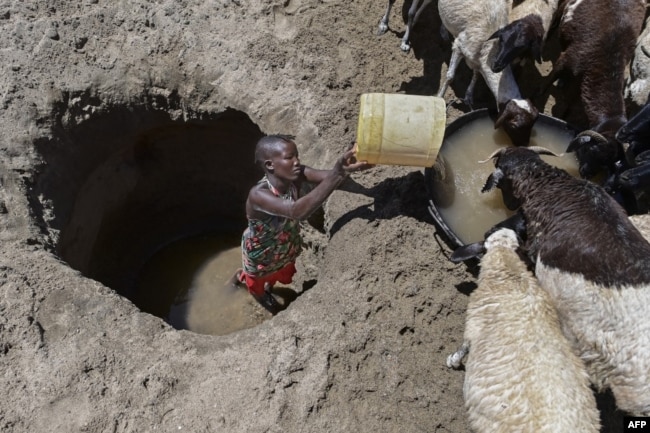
[[262, 201], [316, 176], [313, 175]]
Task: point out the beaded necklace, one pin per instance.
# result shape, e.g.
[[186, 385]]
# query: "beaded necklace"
[[289, 195]]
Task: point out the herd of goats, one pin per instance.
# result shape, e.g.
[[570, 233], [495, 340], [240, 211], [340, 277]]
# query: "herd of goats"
[[561, 304]]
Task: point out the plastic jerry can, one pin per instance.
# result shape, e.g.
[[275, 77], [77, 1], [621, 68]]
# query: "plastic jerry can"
[[398, 129]]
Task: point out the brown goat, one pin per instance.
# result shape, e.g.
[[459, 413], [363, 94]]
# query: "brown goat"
[[597, 38]]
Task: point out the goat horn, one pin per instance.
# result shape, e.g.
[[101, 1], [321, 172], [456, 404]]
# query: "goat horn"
[[493, 155], [585, 137], [543, 151], [593, 134]]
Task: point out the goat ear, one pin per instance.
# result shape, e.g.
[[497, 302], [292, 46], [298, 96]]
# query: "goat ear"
[[494, 35], [493, 180], [467, 252]]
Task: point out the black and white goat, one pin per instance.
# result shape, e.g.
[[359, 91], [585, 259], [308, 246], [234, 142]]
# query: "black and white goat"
[[593, 262], [471, 22], [524, 36], [413, 14], [597, 38]]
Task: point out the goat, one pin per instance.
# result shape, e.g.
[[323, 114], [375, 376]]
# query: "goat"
[[597, 38], [634, 177], [471, 23], [635, 133], [625, 160], [594, 264], [526, 33], [520, 374], [413, 15]]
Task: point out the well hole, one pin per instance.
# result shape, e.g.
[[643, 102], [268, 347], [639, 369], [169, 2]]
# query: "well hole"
[[150, 205]]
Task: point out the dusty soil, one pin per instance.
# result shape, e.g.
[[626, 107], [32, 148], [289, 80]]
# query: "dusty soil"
[[127, 124]]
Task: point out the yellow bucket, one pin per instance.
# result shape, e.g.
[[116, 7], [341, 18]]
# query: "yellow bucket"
[[397, 129]]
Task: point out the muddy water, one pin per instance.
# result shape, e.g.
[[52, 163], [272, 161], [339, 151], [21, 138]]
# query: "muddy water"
[[186, 284], [467, 211]]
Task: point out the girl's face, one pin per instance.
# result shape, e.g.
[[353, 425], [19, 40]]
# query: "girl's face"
[[285, 162]]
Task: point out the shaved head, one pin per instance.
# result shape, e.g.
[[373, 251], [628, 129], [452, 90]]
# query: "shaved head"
[[268, 146]]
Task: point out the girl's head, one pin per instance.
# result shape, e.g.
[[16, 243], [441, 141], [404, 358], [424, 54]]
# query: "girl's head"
[[278, 155], [270, 144]]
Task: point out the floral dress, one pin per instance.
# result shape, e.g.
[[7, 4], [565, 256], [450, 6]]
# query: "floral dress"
[[272, 243]]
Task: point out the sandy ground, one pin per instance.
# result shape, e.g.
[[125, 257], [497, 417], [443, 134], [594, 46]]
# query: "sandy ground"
[[362, 348]]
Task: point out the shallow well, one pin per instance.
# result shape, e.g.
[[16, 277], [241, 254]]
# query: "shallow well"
[[117, 186]]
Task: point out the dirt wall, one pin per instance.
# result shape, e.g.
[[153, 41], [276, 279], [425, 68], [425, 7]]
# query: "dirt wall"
[[361, 350]]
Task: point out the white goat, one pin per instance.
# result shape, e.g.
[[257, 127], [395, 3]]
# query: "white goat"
[[471, 23], [521, 374]]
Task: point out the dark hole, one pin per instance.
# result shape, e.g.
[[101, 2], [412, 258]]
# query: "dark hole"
[[119, 187]]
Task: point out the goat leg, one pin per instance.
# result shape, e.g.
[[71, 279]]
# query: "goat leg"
[[469, 93], [456, 56], [383, 22], [413, 16], [454, 360]]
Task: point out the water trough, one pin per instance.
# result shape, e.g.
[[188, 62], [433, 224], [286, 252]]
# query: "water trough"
[[460, 211]]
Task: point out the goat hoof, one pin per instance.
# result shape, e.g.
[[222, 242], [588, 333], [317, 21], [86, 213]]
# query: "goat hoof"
[[453, 361], [405, 47], [383, 28]]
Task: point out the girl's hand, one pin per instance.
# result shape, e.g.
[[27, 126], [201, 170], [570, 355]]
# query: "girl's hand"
[[348, 162]]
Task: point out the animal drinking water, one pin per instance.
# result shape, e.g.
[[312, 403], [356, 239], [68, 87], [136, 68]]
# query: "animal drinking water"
[[454, 183]]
